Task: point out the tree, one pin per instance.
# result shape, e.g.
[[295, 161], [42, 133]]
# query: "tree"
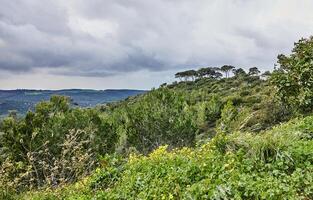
[[239, 72], [254, 71], [191, 74], [203, 72], [294, 77], [186, 75], [217, 75], [226, 69], [179, 75], [210, 72]]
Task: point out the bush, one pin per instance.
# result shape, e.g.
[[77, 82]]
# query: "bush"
[[228, 115], [294, 77], [54, 145], [244, 93], [161, 117]]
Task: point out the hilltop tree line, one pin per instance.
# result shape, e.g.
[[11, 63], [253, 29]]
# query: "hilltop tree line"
[[217, 73]]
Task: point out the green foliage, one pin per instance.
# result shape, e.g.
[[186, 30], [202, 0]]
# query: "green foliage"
[[276, 164], [239, 72], [294, 77], [208, 72], [111, 168], [53, 145], [41, 147], [208, 111], [273, 165], [161, 117], [228, 115], [186, 75], [226, 69], [59, 144], [254, 71], [176, 142]]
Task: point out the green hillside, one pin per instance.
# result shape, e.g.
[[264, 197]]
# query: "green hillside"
[[276, 164], [208, 136]]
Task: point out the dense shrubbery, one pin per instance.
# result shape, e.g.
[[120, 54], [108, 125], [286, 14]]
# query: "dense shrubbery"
[[53, 145], [209, 135], [59, 143], [276, 164], [160, 117]]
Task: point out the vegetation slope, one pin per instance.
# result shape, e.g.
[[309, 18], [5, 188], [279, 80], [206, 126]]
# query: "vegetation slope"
[[276, 164], [205, 137]]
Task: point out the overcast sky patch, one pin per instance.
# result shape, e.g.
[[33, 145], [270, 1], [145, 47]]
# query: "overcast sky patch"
[[77, 40]]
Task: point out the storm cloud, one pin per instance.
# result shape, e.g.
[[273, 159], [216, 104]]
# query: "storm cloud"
[[105, 38]]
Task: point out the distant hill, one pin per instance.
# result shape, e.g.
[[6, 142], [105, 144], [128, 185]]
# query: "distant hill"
[[24, 100]]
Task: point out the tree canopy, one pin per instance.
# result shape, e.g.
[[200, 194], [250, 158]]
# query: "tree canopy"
[[254, 71], [294, 76], [226, 69]]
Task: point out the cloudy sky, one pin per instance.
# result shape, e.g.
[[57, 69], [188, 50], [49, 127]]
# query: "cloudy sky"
[[100, 44]]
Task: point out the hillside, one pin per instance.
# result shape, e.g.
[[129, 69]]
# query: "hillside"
[[274, 165], [24, 100], [208, 136], [179, 120]]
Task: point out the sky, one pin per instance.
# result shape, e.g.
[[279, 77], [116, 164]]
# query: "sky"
[[140, 44]]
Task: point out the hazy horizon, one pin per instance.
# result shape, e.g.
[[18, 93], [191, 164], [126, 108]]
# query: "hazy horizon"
[[69, 89]]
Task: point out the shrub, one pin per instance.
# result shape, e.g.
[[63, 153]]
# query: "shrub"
[[56, 144], [161, 117], [228, 114], [294, 77]]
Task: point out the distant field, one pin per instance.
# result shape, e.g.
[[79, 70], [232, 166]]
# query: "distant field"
[[24, 100]]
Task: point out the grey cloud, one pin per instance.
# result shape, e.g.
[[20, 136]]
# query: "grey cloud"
[[83, 73], [99, 38], [45, 15]]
